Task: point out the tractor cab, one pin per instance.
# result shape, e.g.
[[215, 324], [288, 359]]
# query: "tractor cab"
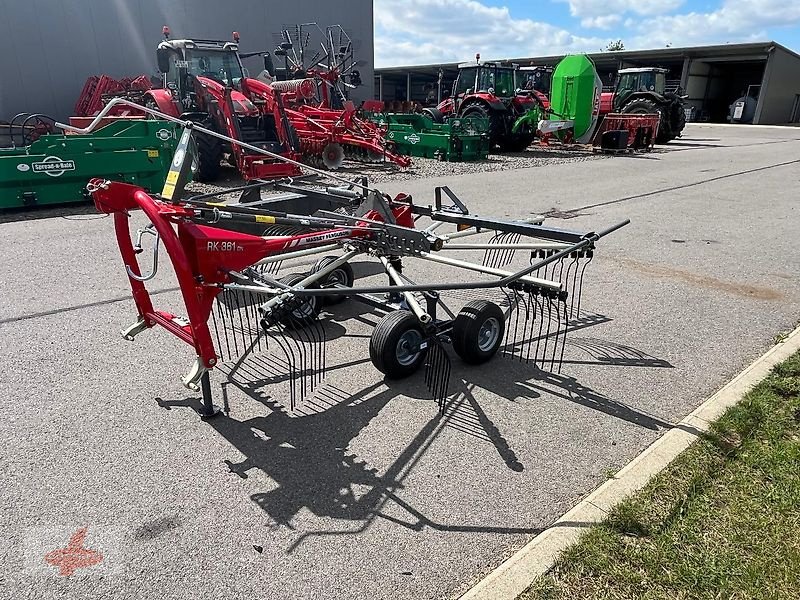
[[639, 80], [485, 78], [184, 62], [537, 79], [494, 84]]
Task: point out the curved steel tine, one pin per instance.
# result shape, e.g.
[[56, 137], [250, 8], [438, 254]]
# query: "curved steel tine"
[[296, 333], [279, 335], [580, 283], [564, 338], [532, 301], [540, 306]]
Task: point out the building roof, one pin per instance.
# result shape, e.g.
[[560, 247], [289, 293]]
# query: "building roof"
[[745, 51]]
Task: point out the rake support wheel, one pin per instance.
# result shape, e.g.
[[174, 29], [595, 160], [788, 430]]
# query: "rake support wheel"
[[394, 347], [478, 331], [342, 275], [306, 309]]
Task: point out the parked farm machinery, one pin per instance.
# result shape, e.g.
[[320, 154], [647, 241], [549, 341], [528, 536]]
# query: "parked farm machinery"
[[328, 136], [491, 91], [416, 134], [225, 258], [39, 165], [574, 112], [314, 87], [204, 81], [641, 91]]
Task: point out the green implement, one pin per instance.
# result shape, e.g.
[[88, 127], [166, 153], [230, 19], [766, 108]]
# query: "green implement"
[[458, 139], [575, 95], [574, 102], [55, 168]]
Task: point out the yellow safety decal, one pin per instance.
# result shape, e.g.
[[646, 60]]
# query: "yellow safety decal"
[[152, 154], [172, 177], [168, 190], [265, 219]]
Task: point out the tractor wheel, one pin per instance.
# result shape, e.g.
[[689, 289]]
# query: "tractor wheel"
[[209, 155], [341, 275], [394, 347], [517, 142], [433, 114], [497, 129], [648, 107], [478, 331]]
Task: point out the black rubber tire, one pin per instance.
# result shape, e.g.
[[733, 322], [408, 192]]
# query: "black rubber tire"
[[342, 274], [306, 313], [209, 151], [497, 129], [643, 106], [434, 114], [467, 327], [386, 337], [517, 143]]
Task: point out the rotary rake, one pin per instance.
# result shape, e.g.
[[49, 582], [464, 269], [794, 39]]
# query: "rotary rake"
[[315, 97], [226, 258]]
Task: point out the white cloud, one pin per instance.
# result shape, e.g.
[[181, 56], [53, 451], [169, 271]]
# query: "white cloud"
[[734, 21], [431, 31], [603, 22], [599, 8]]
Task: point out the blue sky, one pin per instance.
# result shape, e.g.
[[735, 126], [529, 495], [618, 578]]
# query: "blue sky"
[[429, 31]]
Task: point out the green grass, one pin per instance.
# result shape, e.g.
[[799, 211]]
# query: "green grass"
[[722, 521]]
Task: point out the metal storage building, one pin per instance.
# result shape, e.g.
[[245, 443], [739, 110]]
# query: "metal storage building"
[[713, 77], [50, 47]]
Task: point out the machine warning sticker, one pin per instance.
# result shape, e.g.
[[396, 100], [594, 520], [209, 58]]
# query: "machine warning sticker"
[[53, 166], [152, 154]]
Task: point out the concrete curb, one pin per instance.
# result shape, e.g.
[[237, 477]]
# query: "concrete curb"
[[748, 125], [512, 577]]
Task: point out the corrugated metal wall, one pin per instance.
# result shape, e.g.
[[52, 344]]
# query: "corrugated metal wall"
[[50, 47]]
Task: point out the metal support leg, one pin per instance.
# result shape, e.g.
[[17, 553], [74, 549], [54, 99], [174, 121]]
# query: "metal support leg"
[[208, 408]]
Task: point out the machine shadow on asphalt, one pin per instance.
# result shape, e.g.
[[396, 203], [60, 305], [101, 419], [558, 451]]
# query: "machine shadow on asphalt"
[[305, 450]]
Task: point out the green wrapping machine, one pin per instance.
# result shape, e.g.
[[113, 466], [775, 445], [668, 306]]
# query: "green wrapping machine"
[[458, 139], [55, 168]]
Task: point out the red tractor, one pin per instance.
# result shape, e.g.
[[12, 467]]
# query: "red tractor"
[[491, 91], [203, 81], [643, 91]]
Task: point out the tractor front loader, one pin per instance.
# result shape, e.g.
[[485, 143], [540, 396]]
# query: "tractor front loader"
[[203, 81]]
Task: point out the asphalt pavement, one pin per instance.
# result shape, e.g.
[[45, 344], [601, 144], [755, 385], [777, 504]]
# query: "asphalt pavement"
[[363, 491]]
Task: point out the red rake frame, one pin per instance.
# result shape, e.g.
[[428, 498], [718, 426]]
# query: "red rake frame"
[[203, 257]]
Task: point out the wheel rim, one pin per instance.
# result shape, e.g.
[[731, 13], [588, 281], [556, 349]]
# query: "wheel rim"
[[405, 351], [488, 334]]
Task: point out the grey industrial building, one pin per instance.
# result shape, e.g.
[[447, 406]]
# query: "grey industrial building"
[[50, 47], [713, 77]]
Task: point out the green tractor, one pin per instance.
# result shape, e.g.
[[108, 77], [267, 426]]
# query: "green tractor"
[[642, 90]]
